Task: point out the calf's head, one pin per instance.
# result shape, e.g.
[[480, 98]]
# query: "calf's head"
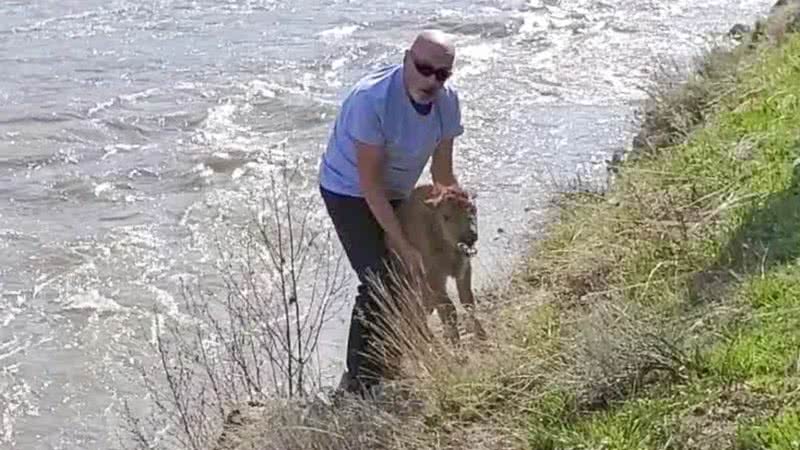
[[456, 217]]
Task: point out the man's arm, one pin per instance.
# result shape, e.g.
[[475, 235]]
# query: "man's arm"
[[370, 174], [442, 164]]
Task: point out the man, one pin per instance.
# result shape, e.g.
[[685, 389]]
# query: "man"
[[393, 121]]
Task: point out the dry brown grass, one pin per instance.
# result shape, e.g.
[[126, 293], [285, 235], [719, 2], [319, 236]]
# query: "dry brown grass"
[[316, 425], [714, 421]]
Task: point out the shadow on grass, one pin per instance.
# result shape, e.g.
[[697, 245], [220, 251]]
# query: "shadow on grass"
[[768, 237]]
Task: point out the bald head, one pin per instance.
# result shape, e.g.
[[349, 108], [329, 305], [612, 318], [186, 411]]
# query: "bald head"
[[428, 64], [434, 43]]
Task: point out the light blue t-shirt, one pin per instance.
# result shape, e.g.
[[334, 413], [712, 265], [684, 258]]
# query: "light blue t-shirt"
[[378, 111]]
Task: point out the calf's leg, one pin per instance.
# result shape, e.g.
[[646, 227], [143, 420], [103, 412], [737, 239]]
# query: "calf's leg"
[[464, 286], [445, 308]]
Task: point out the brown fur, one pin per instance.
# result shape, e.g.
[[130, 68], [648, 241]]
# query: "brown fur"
[[434, 219]]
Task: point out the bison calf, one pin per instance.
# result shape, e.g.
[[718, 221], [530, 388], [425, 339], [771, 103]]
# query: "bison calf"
[[441, 223]]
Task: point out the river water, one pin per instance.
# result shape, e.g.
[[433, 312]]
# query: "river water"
[[131, 130]]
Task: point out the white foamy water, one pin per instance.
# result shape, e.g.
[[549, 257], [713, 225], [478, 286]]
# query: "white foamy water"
[[339, 32], [91, 301], [135, 135]]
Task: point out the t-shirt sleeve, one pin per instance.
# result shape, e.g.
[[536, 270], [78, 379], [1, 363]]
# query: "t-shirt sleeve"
[[451, 117], [363, 121]]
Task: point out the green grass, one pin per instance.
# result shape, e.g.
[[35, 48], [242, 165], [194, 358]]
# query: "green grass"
[[767, 342], [779, 433], [709, 224], [636, 424]]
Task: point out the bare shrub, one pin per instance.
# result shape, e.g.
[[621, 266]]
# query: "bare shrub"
[[584, 184], [680, 98], [350, 424], [615, 349], [783, 20], [252, 337], [392, 417], [578, 189]]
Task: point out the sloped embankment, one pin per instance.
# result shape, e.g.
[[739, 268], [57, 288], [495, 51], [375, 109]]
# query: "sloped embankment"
[[662, 313]]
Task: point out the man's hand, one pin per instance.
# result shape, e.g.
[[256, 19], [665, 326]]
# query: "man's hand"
[[413, 261]]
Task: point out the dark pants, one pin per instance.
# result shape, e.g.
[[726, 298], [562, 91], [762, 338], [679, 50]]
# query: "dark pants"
[[363, 240]]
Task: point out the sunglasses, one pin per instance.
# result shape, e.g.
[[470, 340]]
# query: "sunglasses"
[[427, 70]]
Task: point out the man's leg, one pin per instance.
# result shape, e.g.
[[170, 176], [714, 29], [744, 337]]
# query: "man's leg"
[[363, 240]]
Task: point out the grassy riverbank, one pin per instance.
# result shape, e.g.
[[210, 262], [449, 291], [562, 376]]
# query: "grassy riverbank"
[[664, 313]]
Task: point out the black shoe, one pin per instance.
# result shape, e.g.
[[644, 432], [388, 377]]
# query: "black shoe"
[[372, 390]]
